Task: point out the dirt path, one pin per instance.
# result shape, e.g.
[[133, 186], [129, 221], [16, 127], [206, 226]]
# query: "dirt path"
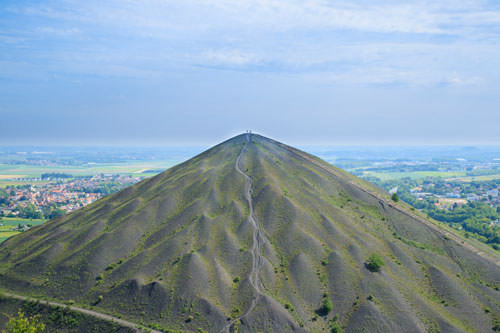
[[258, 241], [392, 205], [84, 311]]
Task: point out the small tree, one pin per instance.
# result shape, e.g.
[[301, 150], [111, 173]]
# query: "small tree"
[[335, 328], [22, 324], [375, 262], [395, 197], [327, 305]]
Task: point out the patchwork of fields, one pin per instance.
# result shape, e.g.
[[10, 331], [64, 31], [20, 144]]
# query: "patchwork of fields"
[[11, 171], [415, 174], [7, 224]]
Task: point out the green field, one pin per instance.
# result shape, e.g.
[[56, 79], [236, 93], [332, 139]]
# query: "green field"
[[478, 178], [414, 175], [9, 172], [5, 183], [453, 175], [10, 222], [83, 170], [15, 221]]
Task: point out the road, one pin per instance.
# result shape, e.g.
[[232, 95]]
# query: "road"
[[391, 204], [92, 313], [258, 241]]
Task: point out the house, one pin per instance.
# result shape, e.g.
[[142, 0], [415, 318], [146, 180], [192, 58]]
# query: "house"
[[493, 193], [473, 198]]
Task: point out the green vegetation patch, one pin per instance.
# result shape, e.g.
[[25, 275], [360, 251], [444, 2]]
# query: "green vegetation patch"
[[418, 245], [375, 262]]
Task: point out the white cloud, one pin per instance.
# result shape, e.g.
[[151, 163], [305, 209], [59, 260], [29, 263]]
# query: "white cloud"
[[278, 15], [11, 39], [60, 32], [415, 42], [235, 57], [316, 14]]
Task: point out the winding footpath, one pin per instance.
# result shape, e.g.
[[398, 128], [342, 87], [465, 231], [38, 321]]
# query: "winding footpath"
[[92, 313], [389, 203], [258, 241], [254, 276]]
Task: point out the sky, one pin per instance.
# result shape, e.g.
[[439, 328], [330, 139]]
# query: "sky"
[[161, 72]]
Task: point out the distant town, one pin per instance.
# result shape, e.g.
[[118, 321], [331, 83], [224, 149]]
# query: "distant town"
[[450, 194], [56, 194]]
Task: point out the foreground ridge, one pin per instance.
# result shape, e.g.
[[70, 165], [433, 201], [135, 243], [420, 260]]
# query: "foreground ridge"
[[87, 312]]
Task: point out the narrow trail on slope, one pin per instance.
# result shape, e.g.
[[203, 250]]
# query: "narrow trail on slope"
[[99, 315], [258, 241]]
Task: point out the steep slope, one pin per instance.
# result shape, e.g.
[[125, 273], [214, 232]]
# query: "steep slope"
[[255, 235]]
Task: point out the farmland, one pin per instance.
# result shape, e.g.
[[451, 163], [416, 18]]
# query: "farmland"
[[477, 178], [15, 172], [414, 175], [7, 224]]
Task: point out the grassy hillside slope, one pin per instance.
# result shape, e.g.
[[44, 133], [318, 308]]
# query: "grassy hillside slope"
[[57, 319], [176, 251]]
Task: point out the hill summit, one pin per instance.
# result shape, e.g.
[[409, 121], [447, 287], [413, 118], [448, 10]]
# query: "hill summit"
[[253, 235]]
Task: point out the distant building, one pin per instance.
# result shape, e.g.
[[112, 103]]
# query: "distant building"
[[473, 198], [421, 194], [493, 193]]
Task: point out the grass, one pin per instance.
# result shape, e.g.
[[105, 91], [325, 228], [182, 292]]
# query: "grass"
[[384, 176], [4, 176], [58, 318], [14, 221], [452, 175], [11, 222], [7, 232], [5, 183], [132, 168], [478, 178]]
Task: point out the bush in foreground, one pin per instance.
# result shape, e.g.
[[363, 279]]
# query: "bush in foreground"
[[326, 306], [23, 324]]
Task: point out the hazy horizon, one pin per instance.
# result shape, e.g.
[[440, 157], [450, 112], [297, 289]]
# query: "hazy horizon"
[[200, 144], [207, 146]]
